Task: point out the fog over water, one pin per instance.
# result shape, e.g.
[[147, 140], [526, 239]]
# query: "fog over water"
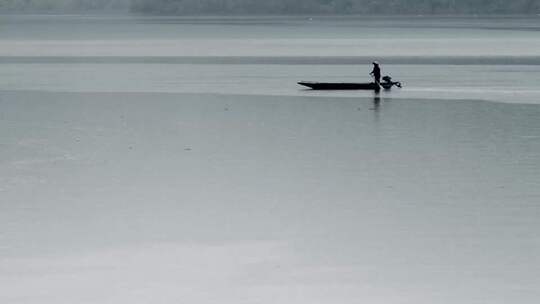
[[456, 57], [175, 159]]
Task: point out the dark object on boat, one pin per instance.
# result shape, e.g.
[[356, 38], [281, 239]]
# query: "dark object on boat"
[[387, 84]]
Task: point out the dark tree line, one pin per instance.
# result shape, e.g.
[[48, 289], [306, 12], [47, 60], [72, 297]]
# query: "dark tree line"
[[236, 7], [338, 6], [63, 5]]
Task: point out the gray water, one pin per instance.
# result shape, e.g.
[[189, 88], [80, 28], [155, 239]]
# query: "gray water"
[[159, 160], [451, 58]]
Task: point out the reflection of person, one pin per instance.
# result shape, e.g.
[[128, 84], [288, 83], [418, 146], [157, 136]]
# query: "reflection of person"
[[376, 73]]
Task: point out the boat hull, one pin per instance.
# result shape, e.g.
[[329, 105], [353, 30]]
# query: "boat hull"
[[340, 86]]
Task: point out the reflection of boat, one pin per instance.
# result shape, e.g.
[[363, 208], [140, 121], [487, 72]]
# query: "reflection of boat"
[[386, 84]]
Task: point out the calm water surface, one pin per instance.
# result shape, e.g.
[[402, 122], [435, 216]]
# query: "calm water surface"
[[159, 160], [457, 58]]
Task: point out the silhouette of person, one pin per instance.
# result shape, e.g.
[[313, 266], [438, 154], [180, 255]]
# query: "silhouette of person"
[[376, 73]]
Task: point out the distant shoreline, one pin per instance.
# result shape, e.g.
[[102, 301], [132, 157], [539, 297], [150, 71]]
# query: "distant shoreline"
[[124, 13], [276, 60]]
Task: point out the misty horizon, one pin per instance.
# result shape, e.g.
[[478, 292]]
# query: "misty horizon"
[[277, 7]]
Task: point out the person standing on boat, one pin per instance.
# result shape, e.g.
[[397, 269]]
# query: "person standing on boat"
[[376, 73]]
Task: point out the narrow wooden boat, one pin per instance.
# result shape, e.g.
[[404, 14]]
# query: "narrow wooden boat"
[[340, 86], [387, 84]]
